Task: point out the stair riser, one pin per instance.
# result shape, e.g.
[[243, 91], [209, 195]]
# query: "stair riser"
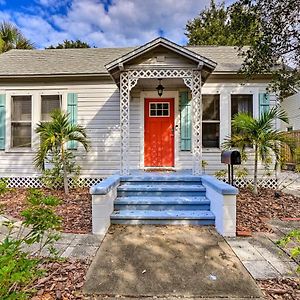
[[161, 193], [162, 207], [155, 183], [164, 222]]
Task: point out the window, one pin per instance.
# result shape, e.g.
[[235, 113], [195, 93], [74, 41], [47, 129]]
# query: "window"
[[21, 122], [211, 121], [290, 128], [49, 104], [241, 103], [159, 109]]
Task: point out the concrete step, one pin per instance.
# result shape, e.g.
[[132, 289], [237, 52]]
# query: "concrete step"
[[192, 217], [162, 203], [161, 179], [160, 190]]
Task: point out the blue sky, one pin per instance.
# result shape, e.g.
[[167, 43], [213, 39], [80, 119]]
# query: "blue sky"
[[102, 23]]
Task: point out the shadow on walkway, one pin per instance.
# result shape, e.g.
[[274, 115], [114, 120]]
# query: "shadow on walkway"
[[173, 261]]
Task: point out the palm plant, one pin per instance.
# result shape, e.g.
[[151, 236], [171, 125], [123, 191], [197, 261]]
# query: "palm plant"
[[54, 138], [12, 38], [261, 134]]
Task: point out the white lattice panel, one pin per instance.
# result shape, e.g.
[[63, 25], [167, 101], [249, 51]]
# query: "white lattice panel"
[[191, 78], [196, 122], [268, 183], [35, 182], [160, 73], [125, 87]]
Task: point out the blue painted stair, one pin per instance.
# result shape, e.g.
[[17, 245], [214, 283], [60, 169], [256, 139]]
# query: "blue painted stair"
[[162, 199]]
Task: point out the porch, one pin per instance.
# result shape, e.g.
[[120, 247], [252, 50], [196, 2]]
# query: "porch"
[[137, 75]]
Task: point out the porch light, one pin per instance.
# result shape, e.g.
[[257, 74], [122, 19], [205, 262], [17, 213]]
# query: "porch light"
[[160, 88]]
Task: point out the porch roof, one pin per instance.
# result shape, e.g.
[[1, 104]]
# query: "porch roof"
[[168, 45], [198, 61]]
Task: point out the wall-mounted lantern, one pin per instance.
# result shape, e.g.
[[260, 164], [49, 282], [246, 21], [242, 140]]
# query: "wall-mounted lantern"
[[160, 88]]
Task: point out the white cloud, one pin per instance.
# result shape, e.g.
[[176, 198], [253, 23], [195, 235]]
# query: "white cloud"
[[125, 23]]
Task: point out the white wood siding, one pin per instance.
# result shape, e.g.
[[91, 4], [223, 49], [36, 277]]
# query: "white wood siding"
[[292, 106], [98, 111]]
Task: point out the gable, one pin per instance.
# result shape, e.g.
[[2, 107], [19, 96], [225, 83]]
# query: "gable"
[[161, 57]]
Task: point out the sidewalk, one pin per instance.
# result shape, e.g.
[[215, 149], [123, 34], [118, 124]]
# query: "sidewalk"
[[262, 257]]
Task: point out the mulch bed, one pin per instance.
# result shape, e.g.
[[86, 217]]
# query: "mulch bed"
[[253, 211], [285, 289], [75, 209], [63, 280]]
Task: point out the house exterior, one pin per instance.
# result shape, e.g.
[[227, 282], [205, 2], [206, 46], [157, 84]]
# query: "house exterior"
[[291, 105], [113, 94]]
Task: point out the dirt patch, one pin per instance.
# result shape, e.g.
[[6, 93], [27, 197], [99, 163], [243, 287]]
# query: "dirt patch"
[[76, 208], [253, 211], [283, 289], [63, 280]]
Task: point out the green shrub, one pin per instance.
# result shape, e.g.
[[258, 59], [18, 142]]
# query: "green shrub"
[[3, 185], [220, 174], [19, 267], [53, 177], [292, 237]]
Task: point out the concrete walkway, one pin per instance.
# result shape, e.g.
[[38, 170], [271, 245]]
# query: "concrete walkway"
[[168, 262], [262, 257]]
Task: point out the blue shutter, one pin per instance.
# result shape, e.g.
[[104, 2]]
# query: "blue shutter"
[[264, 103], [185, 122], [72, 110], [2, 122]]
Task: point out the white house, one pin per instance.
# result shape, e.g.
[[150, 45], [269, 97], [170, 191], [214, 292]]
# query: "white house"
[[159, 106], [291, 105], [112, 93]]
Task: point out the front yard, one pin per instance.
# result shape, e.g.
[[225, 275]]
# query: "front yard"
[[64, 278], [75, 209], [253, 211]]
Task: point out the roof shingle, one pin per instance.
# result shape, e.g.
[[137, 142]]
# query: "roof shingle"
[[92, 61]]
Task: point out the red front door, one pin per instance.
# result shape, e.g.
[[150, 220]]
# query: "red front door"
[[159, 133]]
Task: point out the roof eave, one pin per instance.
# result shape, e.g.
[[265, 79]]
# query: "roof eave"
[[65, 75]]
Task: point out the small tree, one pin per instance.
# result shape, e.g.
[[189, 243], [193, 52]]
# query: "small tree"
[[54, 138], [259, 133]]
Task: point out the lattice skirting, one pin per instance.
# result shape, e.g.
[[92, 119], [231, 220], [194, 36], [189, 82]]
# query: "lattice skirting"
[[36, 182], [269, 183]]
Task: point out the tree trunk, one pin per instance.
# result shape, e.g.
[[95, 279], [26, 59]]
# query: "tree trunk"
[[255, 170], [66, 185]]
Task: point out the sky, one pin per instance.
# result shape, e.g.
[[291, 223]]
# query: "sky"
[[101, 23]]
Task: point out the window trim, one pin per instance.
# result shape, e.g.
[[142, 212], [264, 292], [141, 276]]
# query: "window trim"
[[243, 94], [36, 115], [162, 116], [212, 121], [11, 121], [41, 101]]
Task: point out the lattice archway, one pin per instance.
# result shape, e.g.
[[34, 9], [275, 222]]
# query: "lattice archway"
[[191, 78]]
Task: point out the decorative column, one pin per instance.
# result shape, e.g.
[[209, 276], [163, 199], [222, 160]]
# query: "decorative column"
[[124, 121], [197, 123]]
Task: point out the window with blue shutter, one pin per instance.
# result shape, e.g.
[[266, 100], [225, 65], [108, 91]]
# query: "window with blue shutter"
[[264, 103], [185, 122], [72, 100], [2, 122]]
